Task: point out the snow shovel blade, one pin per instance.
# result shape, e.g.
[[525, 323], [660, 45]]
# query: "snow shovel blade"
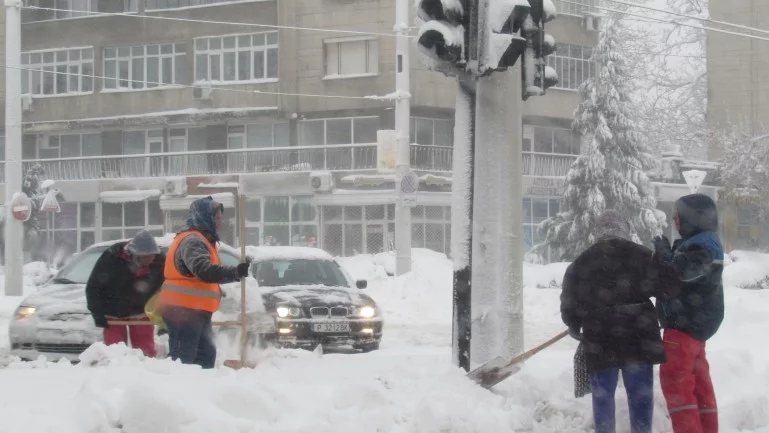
[[236, 364], [493, 372]]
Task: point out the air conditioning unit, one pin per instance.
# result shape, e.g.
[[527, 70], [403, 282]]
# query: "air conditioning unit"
[[321, 181], [26, 103], [175, 187], [202, 93], [592, 23]]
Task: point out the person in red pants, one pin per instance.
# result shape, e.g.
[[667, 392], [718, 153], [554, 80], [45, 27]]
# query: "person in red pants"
[[692, 317], [123, 279]]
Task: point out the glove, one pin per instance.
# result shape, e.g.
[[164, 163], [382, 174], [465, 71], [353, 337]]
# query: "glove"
[[243, 269], [161, 331], [100, 322], [662, 247], [575, 334]]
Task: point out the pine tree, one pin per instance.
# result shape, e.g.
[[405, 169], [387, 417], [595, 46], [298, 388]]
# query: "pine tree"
[[611, 171]]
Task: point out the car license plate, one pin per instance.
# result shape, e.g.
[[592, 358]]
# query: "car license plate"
[[331, 327]]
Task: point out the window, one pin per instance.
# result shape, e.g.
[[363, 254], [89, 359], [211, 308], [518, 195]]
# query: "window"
[[174, 4], [258, 136], [576, 7], [70, 230], [340, 134], [145, 66], [57, 72], [282, 221], [572, 64], [69, 145], [535, 211], [431, 132], [61, 9], [237, 58], [543, 139], [350, 230], [431, 228], [124, 220], [350, 57]]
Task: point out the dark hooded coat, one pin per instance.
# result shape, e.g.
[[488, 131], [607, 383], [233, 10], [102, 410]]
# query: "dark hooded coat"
[[606, 294], [192, 257], [697, 260], [117, 287]]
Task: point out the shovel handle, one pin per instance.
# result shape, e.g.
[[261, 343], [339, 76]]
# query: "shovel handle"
[[526, 355]]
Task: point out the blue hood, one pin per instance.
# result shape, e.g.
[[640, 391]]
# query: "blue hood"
[[201, 216]]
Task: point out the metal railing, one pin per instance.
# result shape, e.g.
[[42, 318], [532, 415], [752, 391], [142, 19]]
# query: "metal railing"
[[547, 164], [431, 158], [237, 161], [224, 161]]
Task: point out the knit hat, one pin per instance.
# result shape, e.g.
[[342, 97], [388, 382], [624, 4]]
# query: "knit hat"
[[611, 224], [143, 244]]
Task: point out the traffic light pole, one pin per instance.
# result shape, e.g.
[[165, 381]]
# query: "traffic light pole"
[[14, 229], [402, 120], [462, 219], [497, 262]]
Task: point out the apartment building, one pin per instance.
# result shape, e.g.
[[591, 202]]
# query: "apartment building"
[[738, 100], [280, 112]]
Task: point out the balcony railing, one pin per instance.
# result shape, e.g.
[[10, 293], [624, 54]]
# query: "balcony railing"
[[239, 161], [547, 164]]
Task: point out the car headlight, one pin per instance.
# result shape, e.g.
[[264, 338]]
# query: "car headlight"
[[366, 312], [23, 312], [288, 311]]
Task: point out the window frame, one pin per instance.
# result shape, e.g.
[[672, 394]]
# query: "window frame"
[[561, 63], [178, 63], [212, 3], [372, 59], [123, 227], [31, 69], [264, 49]]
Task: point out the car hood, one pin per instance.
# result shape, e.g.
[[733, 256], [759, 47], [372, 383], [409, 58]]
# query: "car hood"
[[313, 295], [56, 299]]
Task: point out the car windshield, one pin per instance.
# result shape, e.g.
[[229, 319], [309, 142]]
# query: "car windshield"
[[79, 268], [275, 273]]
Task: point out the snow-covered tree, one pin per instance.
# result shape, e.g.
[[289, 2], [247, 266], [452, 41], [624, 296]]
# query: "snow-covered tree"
[[744, 168], [672, 84], [611, 171]]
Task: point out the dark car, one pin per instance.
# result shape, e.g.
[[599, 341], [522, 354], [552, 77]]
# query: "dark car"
[[313, 300]]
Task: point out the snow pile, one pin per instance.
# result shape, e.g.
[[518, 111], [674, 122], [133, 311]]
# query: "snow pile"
[[548, 276], [747, 270]]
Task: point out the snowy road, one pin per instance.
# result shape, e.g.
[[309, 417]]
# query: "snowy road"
[[409, 386]]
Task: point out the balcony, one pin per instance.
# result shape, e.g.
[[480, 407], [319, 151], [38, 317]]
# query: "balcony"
[[577, 7], [259, 160], [547, 164]]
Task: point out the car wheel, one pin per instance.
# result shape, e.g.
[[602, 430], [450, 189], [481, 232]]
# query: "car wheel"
[[369, 347]]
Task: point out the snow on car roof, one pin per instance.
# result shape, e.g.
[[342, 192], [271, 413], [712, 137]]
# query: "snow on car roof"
[[165, 242], [286, 253]]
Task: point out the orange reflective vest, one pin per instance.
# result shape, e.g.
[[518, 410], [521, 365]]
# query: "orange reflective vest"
[[189, 292]]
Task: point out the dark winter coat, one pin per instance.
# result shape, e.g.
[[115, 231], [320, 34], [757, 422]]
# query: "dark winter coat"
[[192, 257], [698, 262], [114, 290], [606, 293]]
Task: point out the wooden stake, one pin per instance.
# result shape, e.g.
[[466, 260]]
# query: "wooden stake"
[[243, 321]]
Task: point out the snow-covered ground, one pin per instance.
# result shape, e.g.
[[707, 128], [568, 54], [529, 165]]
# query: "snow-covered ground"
[[407, 386]]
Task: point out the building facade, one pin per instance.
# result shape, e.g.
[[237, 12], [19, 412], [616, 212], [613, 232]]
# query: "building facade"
[[135, 115]]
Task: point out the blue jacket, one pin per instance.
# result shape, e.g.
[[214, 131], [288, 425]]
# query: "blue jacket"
[[698, 262]]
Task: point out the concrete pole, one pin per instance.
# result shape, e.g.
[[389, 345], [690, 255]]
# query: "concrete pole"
[[402, 119], [497, 294], [14, 229]]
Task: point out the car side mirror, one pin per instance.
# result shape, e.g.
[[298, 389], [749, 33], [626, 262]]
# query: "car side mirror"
[[361, 284]]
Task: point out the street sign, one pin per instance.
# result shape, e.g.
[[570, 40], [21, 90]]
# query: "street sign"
[[409, 187], [50, 203], [21, 206]]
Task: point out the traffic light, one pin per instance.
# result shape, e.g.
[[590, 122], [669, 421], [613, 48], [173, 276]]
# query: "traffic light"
[[442, 34], [536, 76], [501, 42]]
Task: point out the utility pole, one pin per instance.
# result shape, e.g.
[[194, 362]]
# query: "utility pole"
[[14, 229], [402, 120]]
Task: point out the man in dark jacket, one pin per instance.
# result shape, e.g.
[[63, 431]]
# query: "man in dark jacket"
[[694, 316], [605, 303], [125, 276], [191, 293]]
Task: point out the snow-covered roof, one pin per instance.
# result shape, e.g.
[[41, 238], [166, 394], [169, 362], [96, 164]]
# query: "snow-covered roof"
[[286, 253], [219, 185]]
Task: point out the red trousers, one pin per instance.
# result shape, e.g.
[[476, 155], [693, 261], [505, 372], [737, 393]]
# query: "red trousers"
[[142, 336], [686, 384]]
